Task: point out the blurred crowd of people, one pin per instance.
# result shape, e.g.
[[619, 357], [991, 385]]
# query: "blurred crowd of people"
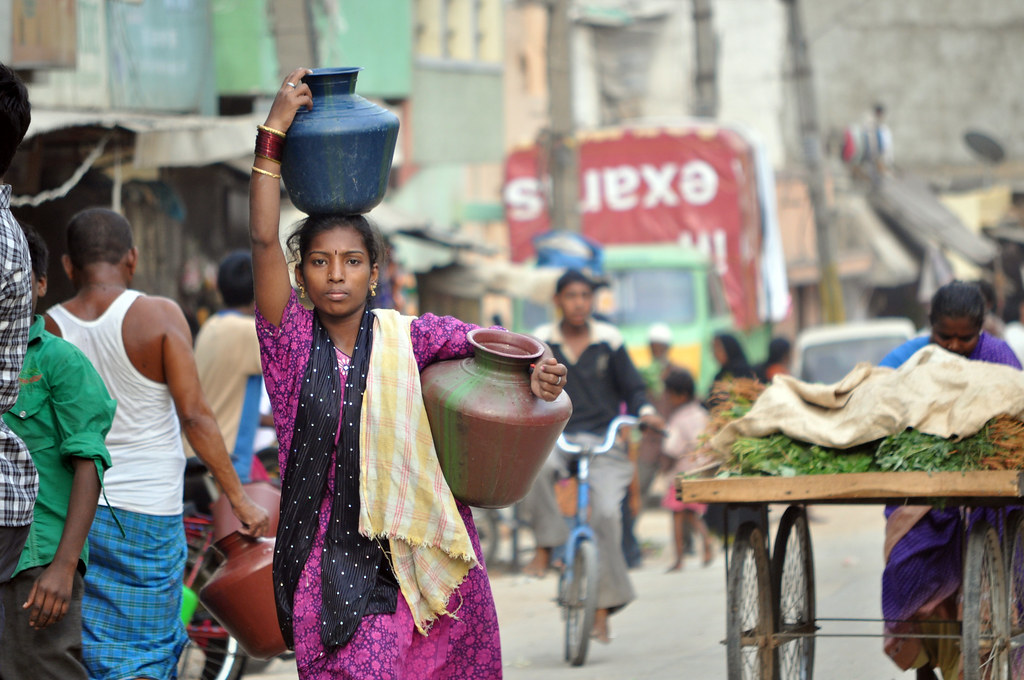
[[603, 382], [98, 395], [101, 394], [93, 549]]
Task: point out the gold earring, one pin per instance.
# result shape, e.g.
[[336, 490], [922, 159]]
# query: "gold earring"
[[302, 291], [373, 288]]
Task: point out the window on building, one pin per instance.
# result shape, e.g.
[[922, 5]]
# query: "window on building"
[[459, 30]]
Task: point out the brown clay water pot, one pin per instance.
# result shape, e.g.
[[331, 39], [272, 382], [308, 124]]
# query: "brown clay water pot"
[[263, 494], [240, 594], [491, 433]]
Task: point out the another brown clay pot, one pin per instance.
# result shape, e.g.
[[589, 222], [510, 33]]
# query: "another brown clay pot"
[[240, 594]]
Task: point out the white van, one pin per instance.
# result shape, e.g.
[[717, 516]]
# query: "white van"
[[827, 353]]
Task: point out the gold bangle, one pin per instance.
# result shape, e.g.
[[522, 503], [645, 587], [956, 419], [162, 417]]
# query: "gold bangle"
[[272, 160], [266, 172], [271, 130]]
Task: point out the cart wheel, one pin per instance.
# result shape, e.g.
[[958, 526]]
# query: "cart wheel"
[[579, 599], [793, 591], [985, 625], [749, 624], [1013, 556]]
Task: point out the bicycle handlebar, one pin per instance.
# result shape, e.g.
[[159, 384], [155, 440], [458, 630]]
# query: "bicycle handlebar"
[[609, 438]]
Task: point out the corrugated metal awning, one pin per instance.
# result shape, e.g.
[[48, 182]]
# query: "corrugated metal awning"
[[161, 140], [866, 250], [908, 205], [164, 140], [892, 264]]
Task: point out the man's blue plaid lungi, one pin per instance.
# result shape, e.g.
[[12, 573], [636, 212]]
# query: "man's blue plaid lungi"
[[131, 620]]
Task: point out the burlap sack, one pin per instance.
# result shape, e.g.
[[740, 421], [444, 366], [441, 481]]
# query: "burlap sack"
[[935, 391]]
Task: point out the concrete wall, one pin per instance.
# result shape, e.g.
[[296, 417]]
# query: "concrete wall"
[[525, 73], [457, 114], [376, 36], [5, 30], [751, 42], [940, 66], [646, 66], [152, 55], [87, 86], [245, 52]]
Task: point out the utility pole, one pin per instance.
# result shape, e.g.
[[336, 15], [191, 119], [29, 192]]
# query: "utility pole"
[[558, 144], [294, 33], [810, 137], [706, 78]]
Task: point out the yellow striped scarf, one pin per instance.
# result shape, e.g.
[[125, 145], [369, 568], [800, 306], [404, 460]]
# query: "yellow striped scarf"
[[403, 494]]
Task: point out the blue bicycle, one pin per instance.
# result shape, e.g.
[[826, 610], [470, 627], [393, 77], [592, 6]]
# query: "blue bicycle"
[[577, 587]]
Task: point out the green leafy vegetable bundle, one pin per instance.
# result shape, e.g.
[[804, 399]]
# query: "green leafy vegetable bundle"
[[998, 446]]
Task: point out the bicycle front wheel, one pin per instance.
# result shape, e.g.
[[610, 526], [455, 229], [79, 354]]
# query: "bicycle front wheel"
[[217, 657], [579, 598]]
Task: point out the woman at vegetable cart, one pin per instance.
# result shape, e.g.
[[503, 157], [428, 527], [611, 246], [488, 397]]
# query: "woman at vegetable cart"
[[923, 568], [376, 573], [780, 353], [733, 364], [731, 358]]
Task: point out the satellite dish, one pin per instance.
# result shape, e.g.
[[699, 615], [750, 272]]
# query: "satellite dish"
[[985, 146]]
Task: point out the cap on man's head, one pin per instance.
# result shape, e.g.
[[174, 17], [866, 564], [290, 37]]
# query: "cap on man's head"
[[661, 333], [573, 276]]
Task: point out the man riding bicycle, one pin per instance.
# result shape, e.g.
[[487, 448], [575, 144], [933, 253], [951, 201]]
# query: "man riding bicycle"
[[600, 380]]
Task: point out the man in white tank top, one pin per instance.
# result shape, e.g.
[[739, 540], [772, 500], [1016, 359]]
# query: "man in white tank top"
[[142, 348]]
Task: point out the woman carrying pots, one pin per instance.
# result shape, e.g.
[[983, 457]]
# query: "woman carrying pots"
[[377, 569]]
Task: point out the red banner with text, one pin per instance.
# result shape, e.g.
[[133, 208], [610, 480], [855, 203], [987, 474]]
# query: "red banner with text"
[[693, 186]]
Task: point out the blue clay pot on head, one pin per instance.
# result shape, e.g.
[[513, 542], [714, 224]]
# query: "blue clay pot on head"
[[337, 157]]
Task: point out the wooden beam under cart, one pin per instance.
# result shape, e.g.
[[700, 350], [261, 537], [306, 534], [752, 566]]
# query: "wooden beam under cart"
[[981, 486]]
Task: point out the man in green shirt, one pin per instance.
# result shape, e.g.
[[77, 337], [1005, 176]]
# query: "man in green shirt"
[[63, 414]]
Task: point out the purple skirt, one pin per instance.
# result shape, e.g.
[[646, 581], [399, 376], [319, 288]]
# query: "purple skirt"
[[388, 647]]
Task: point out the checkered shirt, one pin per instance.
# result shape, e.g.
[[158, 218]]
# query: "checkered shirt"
[[18, 479]]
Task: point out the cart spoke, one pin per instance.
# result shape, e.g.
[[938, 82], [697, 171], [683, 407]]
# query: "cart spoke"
[[793, 587], [750, 620], [1013, 542], [985, 612]]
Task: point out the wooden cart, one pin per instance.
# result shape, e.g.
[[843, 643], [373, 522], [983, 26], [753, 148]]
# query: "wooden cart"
[[771, 622]]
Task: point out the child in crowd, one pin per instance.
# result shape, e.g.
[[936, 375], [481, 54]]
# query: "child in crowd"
[[687, 420], [62, 414]]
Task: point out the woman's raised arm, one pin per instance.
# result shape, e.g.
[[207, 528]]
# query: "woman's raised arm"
[[270, 268]]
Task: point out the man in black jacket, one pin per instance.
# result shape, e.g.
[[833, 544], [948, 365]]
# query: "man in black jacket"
[[601, 379]]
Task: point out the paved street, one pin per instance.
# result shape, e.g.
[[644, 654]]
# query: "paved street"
[[674, 628]]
